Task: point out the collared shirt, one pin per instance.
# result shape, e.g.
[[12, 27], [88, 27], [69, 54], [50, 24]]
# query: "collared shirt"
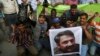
[[10, 6]]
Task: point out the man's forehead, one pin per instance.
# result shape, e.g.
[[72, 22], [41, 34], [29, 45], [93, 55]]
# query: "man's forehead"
[[83, 17], [66, 37]]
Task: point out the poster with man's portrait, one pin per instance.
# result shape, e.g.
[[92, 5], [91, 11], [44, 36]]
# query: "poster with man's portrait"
[[66, 41]]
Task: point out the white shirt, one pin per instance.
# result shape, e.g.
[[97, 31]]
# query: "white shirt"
[[33, 4], [19, 1], [10, 6]]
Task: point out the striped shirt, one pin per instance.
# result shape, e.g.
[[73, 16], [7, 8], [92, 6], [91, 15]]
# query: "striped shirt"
[[97, 31], [22, 38]]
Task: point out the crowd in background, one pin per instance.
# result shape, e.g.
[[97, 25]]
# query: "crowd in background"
[[19, 22]]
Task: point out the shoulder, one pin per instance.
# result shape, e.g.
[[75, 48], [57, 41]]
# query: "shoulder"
[[67, 11]]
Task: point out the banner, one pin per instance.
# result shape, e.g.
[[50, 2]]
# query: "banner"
[[66, 41]]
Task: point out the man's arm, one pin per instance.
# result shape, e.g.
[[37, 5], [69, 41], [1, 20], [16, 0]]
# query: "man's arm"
[[91, 18], [16, 5], [87, 33], [13, 35]]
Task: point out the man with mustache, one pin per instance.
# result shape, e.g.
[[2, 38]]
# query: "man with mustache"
[[66, 42]]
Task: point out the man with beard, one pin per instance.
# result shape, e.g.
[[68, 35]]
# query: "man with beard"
[[65, 43]]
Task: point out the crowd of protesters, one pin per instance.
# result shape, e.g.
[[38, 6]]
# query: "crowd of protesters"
[[73, 18], [32, 35]]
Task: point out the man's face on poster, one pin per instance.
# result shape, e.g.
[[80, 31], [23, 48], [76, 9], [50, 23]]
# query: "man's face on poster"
[[66, 43]]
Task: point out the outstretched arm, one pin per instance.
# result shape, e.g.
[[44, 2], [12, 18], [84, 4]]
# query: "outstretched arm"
[[91, 18]]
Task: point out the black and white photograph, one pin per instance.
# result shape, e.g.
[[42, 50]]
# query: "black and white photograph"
[[66, 41]]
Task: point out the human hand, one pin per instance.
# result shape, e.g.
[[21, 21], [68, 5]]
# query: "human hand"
[[84, 27], [13, 26], [96, 14]]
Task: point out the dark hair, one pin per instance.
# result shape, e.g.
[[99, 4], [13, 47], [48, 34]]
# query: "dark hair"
[[69, 19], [84, 14], [58, 36], [19, 22], [45, 3], [53, 10], [42, 16], [96, 12], [73, 6]]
